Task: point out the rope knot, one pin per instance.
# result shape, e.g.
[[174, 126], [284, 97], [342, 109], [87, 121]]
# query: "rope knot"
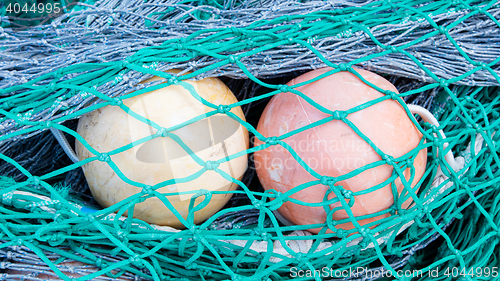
[[393, 209], [120, 234], [443, 83], [135, 260], [99, 263], [328, 181], [202, 192], [272, 140], [36, 180], [173, 80], [301, 258], [257, 204], [339, 114], [388, 159], [284, 88], [178, 46], [265, 236], [392, 95], [341, 233], [425, 209], [162, 132], [57, 73], [193, 229], [232, 59], [392, 49], [196, 237], [479, 63], [223, 109], [104, 157], [147, 190], [211, 165], [365, 232], [236, 278], [191, 266], [6, 105], [236, 31], [10, 256], [346, 193], [116, 102]]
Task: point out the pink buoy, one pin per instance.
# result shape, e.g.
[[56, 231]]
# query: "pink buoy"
[[335, 150]]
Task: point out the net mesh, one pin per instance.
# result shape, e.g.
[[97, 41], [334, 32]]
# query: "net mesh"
[[441, 55]]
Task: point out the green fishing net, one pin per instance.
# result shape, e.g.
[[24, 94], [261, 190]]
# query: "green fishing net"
[[442, 56]]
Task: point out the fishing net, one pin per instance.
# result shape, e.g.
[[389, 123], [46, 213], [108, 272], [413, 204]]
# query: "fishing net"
[[442, 56]]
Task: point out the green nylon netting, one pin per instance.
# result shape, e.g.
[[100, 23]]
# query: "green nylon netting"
[[453, 223]]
